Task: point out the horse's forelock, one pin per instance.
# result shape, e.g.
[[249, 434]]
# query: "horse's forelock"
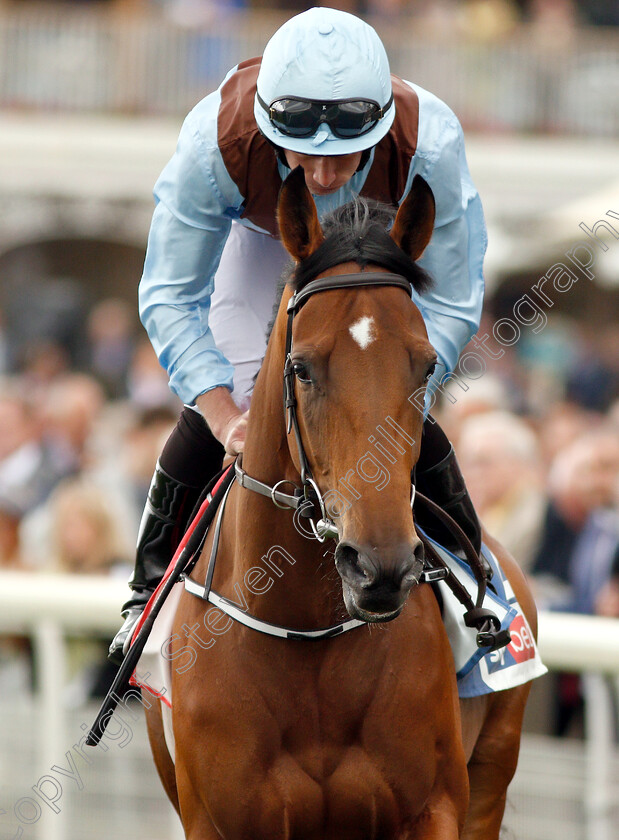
[[355, 232], [358, 232]]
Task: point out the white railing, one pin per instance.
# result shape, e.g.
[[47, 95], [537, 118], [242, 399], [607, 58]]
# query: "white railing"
[[72, 58], [50, 608]]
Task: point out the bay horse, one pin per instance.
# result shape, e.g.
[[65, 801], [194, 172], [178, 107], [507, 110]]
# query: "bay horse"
[[355, 735]]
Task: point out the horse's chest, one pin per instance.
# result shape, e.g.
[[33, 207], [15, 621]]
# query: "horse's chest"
[[351, 798], [316, 775], [315, 748], [357, 800]]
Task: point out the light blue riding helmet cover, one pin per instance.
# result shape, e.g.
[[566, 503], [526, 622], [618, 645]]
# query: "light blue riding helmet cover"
[[325, 54]]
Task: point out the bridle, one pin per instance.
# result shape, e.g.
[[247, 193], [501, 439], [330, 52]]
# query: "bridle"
[[324, 527], [308, 501], [308, 498]]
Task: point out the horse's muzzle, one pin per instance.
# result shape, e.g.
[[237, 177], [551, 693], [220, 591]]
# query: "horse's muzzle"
[[376, 582]]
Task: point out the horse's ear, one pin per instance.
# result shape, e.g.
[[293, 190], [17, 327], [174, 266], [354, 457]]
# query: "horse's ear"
[[297, 217], [414, 221]]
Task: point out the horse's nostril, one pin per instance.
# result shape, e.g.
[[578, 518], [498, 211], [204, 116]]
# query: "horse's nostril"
[[354, 566], [415, 567], [419, 552]]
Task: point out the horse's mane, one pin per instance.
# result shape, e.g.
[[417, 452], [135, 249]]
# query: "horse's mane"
[[354, 232], [357, 232]]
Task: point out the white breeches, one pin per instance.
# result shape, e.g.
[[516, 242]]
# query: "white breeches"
[[242, 303]]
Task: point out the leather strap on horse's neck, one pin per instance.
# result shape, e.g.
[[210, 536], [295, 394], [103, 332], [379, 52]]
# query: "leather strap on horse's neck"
[[279, 499], [488, 626]]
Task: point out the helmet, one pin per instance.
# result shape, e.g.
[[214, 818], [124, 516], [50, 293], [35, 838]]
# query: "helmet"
[[324, 86]]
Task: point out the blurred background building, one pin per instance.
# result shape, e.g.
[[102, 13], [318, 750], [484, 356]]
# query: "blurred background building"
[[92, 95]]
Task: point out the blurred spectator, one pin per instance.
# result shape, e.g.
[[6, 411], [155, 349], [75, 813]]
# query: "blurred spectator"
[[122, 452], [488, 20], [28, 468], [85, 537], [499, 457], [578, 545], [43, 363], [111, 341], [582, 482], [485, 394], [561, 424], [27, 475], [599, 12], [593, 378], [73, 405], [552, 22], [594, 570], [142, 446]]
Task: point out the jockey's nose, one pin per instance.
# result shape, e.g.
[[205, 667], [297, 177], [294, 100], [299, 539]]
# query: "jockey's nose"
[[324, 172]]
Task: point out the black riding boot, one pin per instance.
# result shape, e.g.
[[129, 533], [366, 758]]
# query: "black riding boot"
[[166, 516], [438, 476], [193, 456], [444, 484]]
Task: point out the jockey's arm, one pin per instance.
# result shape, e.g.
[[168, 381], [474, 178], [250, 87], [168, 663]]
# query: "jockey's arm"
[[195, 203], [454, 258]]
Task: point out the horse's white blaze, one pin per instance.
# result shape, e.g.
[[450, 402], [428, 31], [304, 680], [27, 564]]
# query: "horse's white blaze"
[[363, 331]]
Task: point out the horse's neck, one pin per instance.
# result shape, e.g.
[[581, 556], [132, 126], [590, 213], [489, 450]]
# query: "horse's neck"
[[258, 535]]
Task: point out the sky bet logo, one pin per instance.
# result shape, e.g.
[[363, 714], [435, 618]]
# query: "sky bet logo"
[[521, 647]]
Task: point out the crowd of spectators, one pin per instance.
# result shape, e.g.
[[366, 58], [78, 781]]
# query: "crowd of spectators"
[[538, 443], [80, 432], [79, 439], [493, 17]]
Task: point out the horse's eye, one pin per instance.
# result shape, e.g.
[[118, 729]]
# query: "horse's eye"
[[430, 371], [302, 373]]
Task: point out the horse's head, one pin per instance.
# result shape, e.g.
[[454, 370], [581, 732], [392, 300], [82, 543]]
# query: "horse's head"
[[356, 356]]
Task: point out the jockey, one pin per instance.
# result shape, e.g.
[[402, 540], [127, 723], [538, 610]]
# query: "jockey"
[[321, 96]]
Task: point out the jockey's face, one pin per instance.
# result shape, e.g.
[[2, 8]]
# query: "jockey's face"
[[325, 174]]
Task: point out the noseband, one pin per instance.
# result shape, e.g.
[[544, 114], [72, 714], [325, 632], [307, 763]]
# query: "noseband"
[[309, 499]]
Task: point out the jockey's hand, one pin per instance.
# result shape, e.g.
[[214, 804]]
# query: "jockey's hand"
[[224, 418], [234, 434]]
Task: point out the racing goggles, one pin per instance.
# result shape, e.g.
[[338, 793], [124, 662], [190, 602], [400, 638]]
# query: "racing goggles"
[[298, 117]]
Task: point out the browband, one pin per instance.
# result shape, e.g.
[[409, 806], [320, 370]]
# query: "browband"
[[345, 281]]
